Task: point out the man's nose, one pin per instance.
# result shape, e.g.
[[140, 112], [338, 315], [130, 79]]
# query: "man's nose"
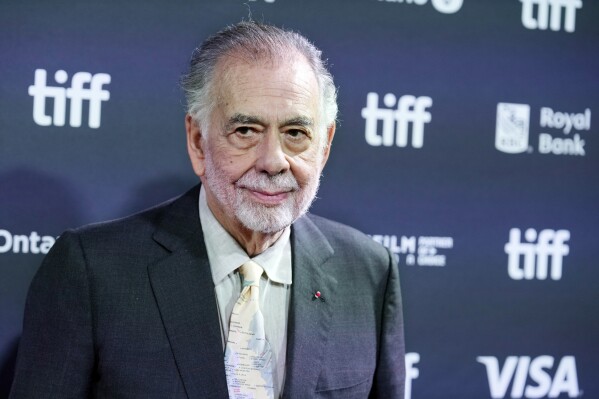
[[271, 157]]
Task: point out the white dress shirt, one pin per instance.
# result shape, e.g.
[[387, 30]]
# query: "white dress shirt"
[[226, 256]]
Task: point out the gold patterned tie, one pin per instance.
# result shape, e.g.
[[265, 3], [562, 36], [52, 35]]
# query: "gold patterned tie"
[[248, 357]]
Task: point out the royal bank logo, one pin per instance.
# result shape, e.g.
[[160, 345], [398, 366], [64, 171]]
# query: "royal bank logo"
[[512, 130], [567, 144], [443, 6], [24, 244], [511, 127], [398, 117], [543, 14], [416, 251], [412, 372], [538, 256], [532, 377], [85, 87]]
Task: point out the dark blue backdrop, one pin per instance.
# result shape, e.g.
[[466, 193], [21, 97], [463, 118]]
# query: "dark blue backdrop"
[[473, 329]]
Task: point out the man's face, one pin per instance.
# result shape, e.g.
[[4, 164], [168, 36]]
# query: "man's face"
[[262, 156]]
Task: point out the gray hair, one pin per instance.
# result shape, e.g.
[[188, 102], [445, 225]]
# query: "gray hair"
[[254, 42]]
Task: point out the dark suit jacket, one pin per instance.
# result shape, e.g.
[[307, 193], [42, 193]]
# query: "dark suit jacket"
[[126, 309]]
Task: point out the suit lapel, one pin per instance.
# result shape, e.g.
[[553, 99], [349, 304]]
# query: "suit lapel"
[[309, 319], [183, 288]]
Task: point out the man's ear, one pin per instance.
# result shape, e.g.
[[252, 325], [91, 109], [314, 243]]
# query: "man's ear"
[[329, 139], [195, 146]]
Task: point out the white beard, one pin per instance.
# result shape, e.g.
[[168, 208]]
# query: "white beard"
[[252, 214]]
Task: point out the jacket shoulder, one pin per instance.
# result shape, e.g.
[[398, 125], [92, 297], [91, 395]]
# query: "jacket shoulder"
[[140, 220], [345, 237], [174, 216]]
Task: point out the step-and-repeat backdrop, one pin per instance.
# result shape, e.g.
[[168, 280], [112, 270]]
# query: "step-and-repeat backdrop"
[[467, 144]]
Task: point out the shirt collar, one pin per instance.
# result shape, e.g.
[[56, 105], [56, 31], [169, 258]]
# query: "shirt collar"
[[226, 255]]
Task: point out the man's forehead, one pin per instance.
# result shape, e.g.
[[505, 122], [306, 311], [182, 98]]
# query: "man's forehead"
[[289, 90], [269, 60], [232, 69]]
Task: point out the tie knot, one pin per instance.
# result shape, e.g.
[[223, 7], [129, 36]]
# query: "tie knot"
[[250, 273]]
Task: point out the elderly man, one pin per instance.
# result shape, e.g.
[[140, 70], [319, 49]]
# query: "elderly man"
[[230, 289]]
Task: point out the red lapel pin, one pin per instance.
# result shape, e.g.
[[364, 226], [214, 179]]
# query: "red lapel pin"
[[317, 295]]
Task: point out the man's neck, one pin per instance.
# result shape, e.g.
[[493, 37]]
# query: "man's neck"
[[253, 242]]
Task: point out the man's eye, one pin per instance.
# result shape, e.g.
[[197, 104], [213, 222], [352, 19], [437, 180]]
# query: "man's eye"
[[296, 133], [243, 130]]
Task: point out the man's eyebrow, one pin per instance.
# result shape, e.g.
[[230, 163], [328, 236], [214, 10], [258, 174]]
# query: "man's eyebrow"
[[244, 120], [299, 121]]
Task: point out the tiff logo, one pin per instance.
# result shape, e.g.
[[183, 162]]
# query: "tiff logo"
[[412, 372], [550, 243], [544, 382], [549, 14], [77, 93], [396, 122]]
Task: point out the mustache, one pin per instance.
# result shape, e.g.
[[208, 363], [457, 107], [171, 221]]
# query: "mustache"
[[264, 182]]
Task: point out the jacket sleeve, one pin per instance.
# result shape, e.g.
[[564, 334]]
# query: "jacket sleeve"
[[389, 378], [56, 354]]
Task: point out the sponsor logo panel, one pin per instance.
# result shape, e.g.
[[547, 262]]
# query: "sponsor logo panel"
[[412, 372], [85, 87], [529, 259], [539, 377], [31, 243], [511, 127], [417, 251], [559, 132], [552, 14], [573, 145], [442, 6], [398, 118]]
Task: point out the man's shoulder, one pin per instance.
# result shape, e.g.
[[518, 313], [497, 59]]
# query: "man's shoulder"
[[140, 220], [342, 236], [331, 226], [140, 225]]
